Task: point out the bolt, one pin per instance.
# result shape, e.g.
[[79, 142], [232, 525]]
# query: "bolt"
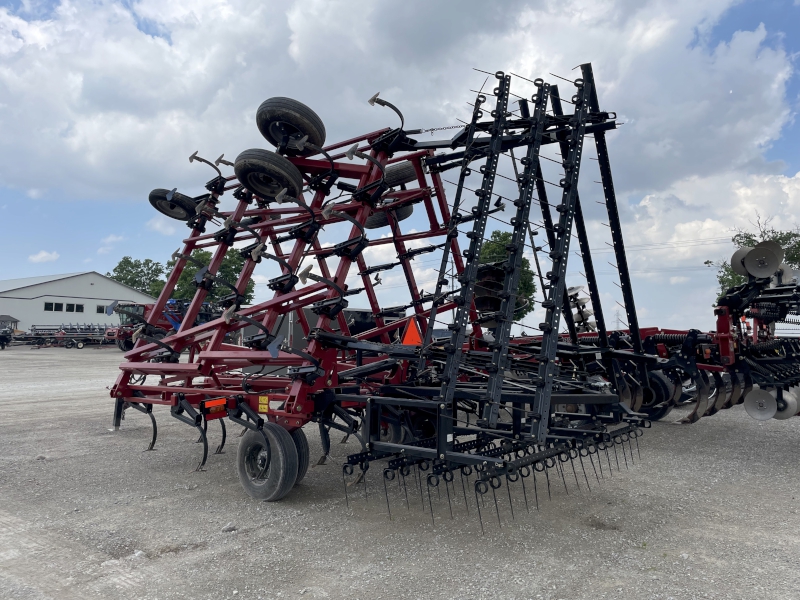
[[441, 406], [441, 456]]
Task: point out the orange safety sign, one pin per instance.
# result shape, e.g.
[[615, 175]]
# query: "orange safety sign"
[[412, 337]]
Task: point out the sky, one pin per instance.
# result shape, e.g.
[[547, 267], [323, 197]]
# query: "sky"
[[102, 101]]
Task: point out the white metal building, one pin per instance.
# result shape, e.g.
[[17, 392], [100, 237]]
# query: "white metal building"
[[78, 298]]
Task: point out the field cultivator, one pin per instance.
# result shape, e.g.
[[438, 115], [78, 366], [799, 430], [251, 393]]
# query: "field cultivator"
[[437, 386], [65, 335]]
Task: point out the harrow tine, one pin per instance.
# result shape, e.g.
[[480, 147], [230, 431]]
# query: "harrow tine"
[[386, 491], [447, 489], [638, 453], [560, 470], [418, 475], [496, 506], [595, 468], [464, 488], [574, 472], [535, 490], [625, 458], [630, 449], [344, 481], [428, 481], [224, 437], [547, 477], [478, 504], [583, 468], [524, 491], [510, 503], [405, 488]]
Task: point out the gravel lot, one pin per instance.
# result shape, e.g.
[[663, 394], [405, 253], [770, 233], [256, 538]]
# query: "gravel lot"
[[710, 511]]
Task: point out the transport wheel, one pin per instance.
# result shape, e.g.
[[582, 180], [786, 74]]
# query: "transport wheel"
[[69, 344], [400, 173], [391, 433], [179, 207], [661, 390], [303, 453], [277, 117], [125, 345], [39, 341], [79, 345], [267, 468], [267, 173], [381, 219]]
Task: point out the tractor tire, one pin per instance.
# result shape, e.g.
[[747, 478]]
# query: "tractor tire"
[[303, 453], [266, 173], [125, 345], [400, 173], [391, 433], [660, 391], [381, 219], [181, 207], [267, 468], [277, 116], [69, 344]]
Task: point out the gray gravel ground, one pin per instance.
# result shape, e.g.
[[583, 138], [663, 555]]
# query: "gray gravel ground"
[[710, 511]]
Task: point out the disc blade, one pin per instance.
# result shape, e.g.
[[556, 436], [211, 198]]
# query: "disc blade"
[[775, 247], [737, 258], [760, 405], [761, 262], [791, 407]]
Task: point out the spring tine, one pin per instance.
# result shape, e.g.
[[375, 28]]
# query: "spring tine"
[[386, 494], [463, 487], [525, 495], [625, 458], [547, 477], [478, 504], [405, 490], [155, 428], [447, 489], [638, 453], [496, 507], [574, 472], [608, 458], [224, 437], [595, 469], [510, 503], [583, 468], [205, 448], [431, 503], [560, 469], [419, 478], [630, 449], [535, 489]]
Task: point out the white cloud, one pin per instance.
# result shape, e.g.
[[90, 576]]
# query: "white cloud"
[[677, 280], [161, 225], [104, 249], [112, 239], [43, 256]]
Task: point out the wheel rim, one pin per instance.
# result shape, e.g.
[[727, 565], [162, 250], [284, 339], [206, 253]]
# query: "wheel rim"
[[277, 129], [257, 464], [173, 210]]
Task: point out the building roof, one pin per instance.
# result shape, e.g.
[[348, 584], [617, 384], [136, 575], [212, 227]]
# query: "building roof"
[[7, 285], [8, 318]]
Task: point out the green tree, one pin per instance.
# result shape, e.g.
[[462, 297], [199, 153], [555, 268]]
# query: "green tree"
[[142, 275], [229, 271], [762, 231], [494, 250]]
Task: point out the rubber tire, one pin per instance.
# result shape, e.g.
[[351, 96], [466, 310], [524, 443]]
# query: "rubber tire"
[[282, 471], [69, 344], [297, 116], [303, 453], [381, 219], [80, 345], [125, 345], [400, 173], [266, 173], [394, 433], [663, 389], [181, 208]]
